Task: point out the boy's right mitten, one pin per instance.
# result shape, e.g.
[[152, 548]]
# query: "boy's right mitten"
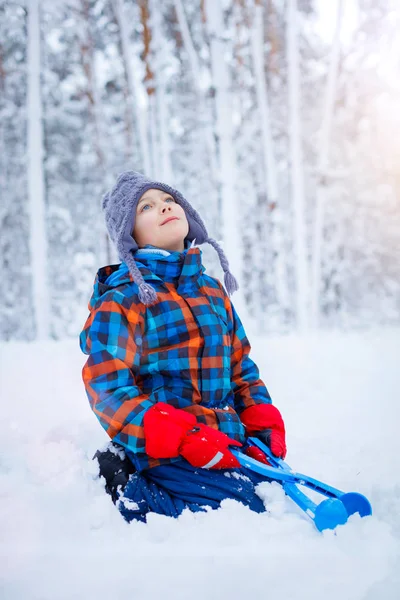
[[171, 432]]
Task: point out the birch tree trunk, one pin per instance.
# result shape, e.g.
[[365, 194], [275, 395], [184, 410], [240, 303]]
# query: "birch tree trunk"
[[92, 94], [149, 83], [139, 115], [91, 91], [323, 166], [165, 167], [270, 167], [196, 75], [163, 148], [222, 82], [2, 140], [297, 173], [36, 191]]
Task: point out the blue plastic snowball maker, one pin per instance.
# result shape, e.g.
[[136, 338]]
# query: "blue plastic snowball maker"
[[329, 513]]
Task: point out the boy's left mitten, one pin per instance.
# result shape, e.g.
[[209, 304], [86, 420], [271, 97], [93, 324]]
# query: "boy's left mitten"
[[265, 422], [171, 432]]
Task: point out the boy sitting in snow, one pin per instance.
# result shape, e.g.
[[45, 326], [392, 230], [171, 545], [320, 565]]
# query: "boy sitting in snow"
[[169, 375]]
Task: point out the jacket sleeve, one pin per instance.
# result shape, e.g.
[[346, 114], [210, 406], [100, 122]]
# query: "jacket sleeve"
[[247, 386], [112, 337]]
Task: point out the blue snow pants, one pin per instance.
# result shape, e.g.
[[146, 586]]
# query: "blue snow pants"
[[169, 489]]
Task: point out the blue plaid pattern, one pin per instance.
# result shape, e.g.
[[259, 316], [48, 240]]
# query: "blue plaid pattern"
[[189, 350]]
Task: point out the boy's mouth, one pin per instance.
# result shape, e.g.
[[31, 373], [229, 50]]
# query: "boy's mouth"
[[169, 219]]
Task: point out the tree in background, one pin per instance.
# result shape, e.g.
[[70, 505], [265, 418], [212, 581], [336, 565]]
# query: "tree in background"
[[17, 320], [360, 238], [281, 139]]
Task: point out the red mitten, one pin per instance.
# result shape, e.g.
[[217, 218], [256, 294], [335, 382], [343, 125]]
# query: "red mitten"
[[171, 432], [164, 428], [207, 448], [265, 422]]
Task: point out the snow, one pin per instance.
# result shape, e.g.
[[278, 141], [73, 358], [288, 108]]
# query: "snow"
[[62, 538]]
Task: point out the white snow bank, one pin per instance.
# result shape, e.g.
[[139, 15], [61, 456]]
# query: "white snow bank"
[[62, 538]]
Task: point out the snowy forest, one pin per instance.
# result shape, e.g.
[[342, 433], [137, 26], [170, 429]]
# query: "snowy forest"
[[277, 119]]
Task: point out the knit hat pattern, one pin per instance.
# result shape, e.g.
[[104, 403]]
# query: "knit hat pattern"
[[119, 206]]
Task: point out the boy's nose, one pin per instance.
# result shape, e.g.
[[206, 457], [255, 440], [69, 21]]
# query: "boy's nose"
[[164, 208]]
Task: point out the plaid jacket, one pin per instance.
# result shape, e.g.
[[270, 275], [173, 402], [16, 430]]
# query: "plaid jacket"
[[189, 350]]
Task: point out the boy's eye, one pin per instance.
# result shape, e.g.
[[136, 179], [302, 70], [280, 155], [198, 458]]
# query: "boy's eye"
[[148, 206]]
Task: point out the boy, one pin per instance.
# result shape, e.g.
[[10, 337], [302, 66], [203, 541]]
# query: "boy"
[[169, 374]]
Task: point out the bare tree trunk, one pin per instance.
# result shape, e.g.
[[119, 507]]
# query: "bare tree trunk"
[[270, 167], [297, 174], [164, 168], [36, 191], [323, 166], [222, 83], [135, 113], [2, 70], [149, 83], [91, 92], [129, 102], [196, 76], [87, 53]]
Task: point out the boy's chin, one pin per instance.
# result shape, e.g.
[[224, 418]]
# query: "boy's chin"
[[174, 244]]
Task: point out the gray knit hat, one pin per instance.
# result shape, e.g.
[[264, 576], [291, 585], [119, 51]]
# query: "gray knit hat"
[[119, 207]]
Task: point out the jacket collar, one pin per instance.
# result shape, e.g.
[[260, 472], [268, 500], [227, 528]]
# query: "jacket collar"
[[179, 268], [175, 267]]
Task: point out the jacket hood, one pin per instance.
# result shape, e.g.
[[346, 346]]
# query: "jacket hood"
[[108, 278], [153, 266]]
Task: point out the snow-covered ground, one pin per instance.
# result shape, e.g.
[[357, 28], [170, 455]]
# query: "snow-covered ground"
[[61, 537]]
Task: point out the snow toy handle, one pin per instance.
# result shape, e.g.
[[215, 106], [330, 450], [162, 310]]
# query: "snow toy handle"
[[329, 513], [353, 501]]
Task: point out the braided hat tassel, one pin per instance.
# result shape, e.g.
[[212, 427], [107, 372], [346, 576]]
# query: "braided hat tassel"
[[231, 284], [147, 294]]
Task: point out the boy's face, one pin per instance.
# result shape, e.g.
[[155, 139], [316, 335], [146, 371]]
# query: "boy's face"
[[160, 222]]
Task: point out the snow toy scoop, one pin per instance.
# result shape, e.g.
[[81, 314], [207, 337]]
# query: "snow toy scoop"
[[329, 513]]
